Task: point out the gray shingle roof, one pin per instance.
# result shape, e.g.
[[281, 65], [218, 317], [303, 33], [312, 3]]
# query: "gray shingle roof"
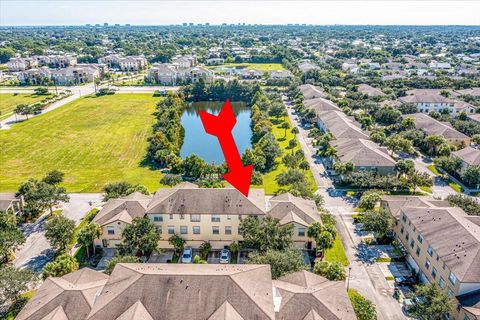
[[370, 91], [134, 205], [469, 155], [432, 126], [310, 91], [362, 153]]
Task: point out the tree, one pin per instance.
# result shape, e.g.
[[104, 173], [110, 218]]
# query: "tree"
[[23, 109], [378, 137], [205, 248], [268, 148], [5, 54], [121, 189], [285, 127], [62, 265], [431, 144], [343, 168], [333, 271], [40, 196], [277, 110], [266, 234], [408, 123], [417, 178], [471, 176], [13, 282], [177, 242], [397, 144], [170, 179], [119, 259], [476, 138], [324, 241], [467, 203], [59, 232], [377, 222], [87, 236], [290, 177], [364, 309], [292, 143], [281, 262], [41, 91], [295, 130], [194, 166], [53, 177], [387, 115], [197, 260], [369, 199], [11, 237], [404, 167], [140, 236], [433, 303]]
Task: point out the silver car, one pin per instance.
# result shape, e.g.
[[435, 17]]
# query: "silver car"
[[225, 256], [187, 255]]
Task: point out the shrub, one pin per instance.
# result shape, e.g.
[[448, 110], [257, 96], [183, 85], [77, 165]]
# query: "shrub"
[[333, 271]]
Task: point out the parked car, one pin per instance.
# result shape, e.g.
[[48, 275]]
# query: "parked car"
[[187, 255], [405, 281], [225, 256]]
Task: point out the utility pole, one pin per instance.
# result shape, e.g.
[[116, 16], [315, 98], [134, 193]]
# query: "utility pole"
[[348, 279]]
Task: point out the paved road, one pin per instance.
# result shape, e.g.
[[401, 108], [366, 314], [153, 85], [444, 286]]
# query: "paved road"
[[365, 276], [36, 250], [143, 89]]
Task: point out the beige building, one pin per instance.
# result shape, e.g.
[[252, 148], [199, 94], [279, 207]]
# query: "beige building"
[[21, 64], [443, 246], [199, 214], [136, 291], [10, 203]]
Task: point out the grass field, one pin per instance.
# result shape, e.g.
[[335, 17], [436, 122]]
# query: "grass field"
[[337, 253], [255, 66], [9, 101], [269, 183], [93, 140]]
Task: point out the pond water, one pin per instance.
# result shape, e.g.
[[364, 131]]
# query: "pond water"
[[206, 146]]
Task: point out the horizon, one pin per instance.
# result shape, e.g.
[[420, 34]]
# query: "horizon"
[[311, 13]]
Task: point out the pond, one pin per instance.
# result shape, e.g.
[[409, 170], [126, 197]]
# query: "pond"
[[206, 146]]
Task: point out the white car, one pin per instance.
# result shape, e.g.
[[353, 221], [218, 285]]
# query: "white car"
[[187, 255], [225, 256]]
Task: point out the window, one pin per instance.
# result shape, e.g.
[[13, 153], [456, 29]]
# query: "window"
[[158, 218], [171, 216], [183, 229], [427, 264], [452, 278], [228, 230], [229, 217], [434, 272], [450, 293], [412, 244], [301, 232], [401, 230], [407, 236], [418, 251], [441, 283], [215, 218], [444, 266], [430, 251], [182, 216], [194, 218], [110, 230], [420, 238], [171, 230], [196, 230], [215, 230]]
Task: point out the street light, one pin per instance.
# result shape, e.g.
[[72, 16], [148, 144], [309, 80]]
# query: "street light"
[[348, 279]]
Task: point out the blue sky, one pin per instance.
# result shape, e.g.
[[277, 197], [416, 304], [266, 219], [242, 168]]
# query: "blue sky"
[[261, 12]]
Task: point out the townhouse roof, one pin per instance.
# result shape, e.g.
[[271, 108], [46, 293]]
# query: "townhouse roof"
[[469, 155], [396, 203], [425, 96], [320, 104], [305, 295], [340, 125], [192, 200], [452, 236], [69, 297], [362, 153], [136, 311], [310, 91], [306, 66], [123, 209], [370, 91], [163, 68], [288, 208], [474, 117], [472, 91], [432, 126], [192, 291], [6, 200]]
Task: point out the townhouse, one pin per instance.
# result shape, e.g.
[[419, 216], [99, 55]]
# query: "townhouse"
[[173, 73], [111, 60], [72, 75], [443, 246], [198, 215], [21, 64], [189, 292], [352, 144], [428, 100], [184, 62], [132, 63], [431, 126], [163, 73], [469, 156]]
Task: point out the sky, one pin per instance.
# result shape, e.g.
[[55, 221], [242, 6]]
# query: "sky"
[[373, 12]]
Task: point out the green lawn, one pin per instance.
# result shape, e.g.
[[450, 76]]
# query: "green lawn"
[[9, 101], [255, 66], [269, 183], [337, 253], [93, 140]]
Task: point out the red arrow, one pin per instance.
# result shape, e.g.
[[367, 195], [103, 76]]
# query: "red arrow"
[[221, 126]]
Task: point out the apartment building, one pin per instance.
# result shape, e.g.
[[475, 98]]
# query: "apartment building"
[[21, 64], [199, 214], [111, 60], [72, 75], [428, 100], [188, 292], [184, 62], [132, 63], [443, 246], [431, 126], [163, 73]]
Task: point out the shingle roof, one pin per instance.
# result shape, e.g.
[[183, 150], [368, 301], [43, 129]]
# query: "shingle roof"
[[192, 291], [320, 104], [133, 205], [57, 314], [288, 208], [469, 155], [340, 125], [432, 126], [370, 91], [452, 236], [74, 293], [305, 295], [207, 201], [136, 311], [396, 203], [6, 200], [362, 153], [310, 91]]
